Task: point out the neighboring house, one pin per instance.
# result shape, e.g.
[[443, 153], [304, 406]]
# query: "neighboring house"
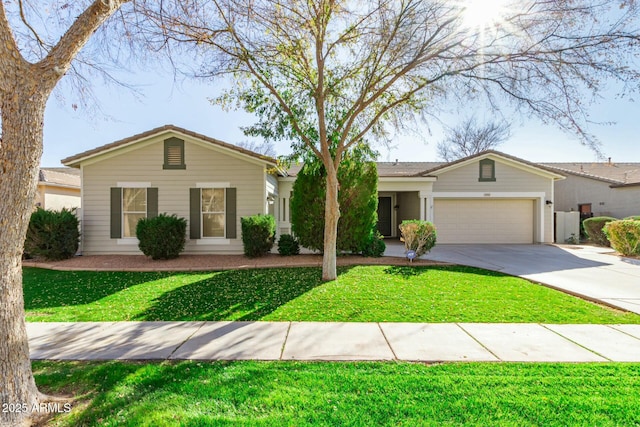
[[598, 189], [58, 188], [490, 197], [172, 170]]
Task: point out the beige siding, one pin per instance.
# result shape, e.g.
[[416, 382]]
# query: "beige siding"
[[144, 164], [510, 180], [605, 201]]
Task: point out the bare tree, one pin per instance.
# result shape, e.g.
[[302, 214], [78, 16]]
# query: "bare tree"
[[471, 137], [265, 148], [328, 75], [31, 68]]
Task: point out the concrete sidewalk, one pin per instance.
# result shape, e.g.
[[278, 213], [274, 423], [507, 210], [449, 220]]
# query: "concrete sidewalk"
[[334, 341]]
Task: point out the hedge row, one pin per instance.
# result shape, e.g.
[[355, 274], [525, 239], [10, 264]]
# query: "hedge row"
[[621, 235]]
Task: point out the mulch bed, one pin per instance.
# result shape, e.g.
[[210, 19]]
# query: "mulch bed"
[[209, 262]]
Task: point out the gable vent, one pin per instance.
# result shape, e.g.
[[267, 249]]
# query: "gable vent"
[[174, 155]]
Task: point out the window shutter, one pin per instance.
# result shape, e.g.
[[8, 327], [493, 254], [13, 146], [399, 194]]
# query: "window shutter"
[[116, 212], [194, 213], [230, 210], [152, 202]]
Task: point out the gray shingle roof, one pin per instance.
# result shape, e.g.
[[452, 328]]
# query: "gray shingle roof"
[[388, 169], [104, 148], [617, 174], [68, 177]]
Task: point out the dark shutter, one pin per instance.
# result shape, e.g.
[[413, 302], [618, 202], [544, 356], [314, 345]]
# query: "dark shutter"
[[194, 213], [230, 210], [116, 212], [152, 202]]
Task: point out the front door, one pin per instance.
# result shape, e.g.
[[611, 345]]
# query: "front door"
[[585, 213], [384, 216]]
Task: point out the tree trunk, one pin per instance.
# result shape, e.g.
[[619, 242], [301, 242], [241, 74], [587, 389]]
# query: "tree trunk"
[[331, 216], [24, 90], [20, 152]]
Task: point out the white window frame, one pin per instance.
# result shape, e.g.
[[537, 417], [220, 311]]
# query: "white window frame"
[[211, 239], [130, 185]]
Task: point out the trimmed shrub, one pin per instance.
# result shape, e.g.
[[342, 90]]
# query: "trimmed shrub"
[[258, 234], [633, 218], [418, 236], [288, 245], [357, 197], [374, 246], [624, 236], [52, 235], [593, 229], [162, 237]]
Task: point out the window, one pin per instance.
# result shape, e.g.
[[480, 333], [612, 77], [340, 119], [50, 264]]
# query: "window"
[[213, 212], [487, 170], [174, 154], [134, 207], [131, 201]]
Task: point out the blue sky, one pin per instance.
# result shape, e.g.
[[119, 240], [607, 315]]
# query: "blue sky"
[[68, 131]]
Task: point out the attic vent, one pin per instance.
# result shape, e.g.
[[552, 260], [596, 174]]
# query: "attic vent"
[[174, 154], [487, 170]]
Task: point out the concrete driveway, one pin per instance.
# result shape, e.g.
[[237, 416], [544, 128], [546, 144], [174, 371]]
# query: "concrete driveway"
[[592, 272]]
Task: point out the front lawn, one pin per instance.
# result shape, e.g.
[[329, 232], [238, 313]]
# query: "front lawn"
[[343, 394], [361, 294]]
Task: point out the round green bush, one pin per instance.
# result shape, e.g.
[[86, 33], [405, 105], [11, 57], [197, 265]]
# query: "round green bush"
[[162, 237], [633, 218], [258, 234], [374, 246], [593, 229], [624, 236], [288, 245], [52, 235]]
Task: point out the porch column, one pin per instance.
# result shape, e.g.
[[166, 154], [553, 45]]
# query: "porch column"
[[423, 205], [430, 208]]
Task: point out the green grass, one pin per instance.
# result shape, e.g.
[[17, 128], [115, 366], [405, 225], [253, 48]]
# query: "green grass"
[[361, 294], [343, 394]]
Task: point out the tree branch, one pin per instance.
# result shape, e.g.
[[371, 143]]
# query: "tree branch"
[[28, 25], [58, 61], [8, 47]]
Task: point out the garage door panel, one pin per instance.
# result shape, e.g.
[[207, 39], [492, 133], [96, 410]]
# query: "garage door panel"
[[484, 221]]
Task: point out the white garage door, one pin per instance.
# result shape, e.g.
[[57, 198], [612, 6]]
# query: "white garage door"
[[484, 221]]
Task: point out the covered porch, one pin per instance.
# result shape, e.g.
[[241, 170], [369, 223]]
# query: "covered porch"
[[401, 199]]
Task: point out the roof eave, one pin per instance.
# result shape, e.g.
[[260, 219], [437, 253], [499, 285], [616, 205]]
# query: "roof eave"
[[629, 184], [465, 160], [76, 160]]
